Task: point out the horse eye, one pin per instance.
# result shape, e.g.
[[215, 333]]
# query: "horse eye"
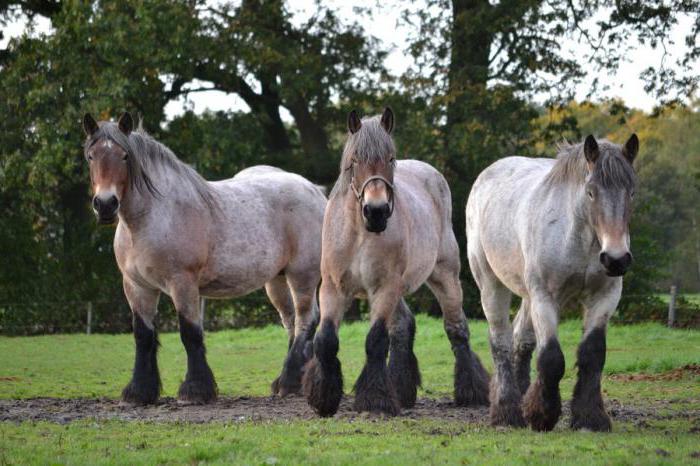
[[124, 159], [632, 195], [590, 194], [90, 158]]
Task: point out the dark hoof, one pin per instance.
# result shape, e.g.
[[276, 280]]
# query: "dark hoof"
[[541, 410], [405, 377], [471, 382], [283, 386], [505, 411], [375, 393], [275, 386], [596, 420], [323, 387], [144, 394], [197, 392]]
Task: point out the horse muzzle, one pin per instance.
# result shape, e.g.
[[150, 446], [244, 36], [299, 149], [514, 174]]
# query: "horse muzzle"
[[376, 217], [105, 209], [615, 266]]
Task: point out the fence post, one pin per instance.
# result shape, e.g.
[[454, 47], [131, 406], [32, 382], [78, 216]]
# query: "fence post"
[[672, 307], [89, 317], [202, 308]]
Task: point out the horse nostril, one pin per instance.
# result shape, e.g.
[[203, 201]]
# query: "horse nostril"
[[96, 203], [113, 203], [605, 259], [366, 211]]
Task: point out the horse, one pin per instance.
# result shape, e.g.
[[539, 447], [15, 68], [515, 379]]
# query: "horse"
[[189, 238], [386, 231], [555, 232]]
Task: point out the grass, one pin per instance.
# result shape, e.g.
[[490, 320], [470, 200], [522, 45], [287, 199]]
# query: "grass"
[[246, 361], [693, 298]]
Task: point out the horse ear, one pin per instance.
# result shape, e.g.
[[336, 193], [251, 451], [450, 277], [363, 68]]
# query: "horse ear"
[[388, 119], [590, 149], [89, 125], [631, 148], [354, 122], [126, 123]]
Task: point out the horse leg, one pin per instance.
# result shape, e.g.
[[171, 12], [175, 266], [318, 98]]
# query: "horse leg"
[[374, 390], [542, 401], [322, 380], [145, 386], [199, 386], [587, 409], [403, 365], [505, 394], [471, 383], [303, 290], [524, 339], [278, 293]]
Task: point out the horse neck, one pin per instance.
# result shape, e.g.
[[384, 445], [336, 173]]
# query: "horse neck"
[[140, 207]]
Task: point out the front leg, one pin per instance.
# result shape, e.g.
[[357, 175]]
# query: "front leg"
[[144, 387], [322, 381], [199, 386], [587, 409], [374, 389], [542, 401], [403, 365]]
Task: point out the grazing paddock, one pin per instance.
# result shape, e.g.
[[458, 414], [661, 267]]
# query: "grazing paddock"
[[651, 384]]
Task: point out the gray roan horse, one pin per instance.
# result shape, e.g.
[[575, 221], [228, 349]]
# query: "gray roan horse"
[[554, 232], [387, 230], [181, 235]]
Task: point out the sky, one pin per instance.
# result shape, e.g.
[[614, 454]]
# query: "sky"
[[624, 84]]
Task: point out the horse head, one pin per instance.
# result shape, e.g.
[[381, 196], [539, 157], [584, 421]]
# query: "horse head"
[[372, 158], [109, 166], [610, 189]]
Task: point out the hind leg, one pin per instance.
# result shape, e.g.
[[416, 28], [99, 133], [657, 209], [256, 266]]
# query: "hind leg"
[[374, 390], [199, 386], [542, 401], [505, 394], [471, 384], [524, 345], [303, 290], [322, 380], [587, 409], [279, 295], [145, 386], [403, 365]]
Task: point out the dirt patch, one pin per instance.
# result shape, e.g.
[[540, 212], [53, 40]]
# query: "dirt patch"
[[291, 408], [680, 373]]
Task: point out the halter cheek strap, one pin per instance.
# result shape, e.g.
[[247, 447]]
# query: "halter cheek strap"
[[359, 195]]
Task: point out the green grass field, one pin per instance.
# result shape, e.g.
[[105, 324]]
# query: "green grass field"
[[246, 361]]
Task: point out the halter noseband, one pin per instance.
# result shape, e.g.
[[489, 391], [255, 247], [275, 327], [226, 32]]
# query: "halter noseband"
[[359, 195]]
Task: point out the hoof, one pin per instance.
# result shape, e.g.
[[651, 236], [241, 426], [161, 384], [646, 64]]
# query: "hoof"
[[505, 410], [541, 410], [195, 392], [144, 394], [405, 377], [323, 386], [375, 393], [471, 382], [282, 389], [596, 420]]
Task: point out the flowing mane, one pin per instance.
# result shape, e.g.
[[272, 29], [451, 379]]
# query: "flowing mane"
[[148, 157], [611, 169], [371, 144]]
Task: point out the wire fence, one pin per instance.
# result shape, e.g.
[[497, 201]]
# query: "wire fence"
[[254, 310]]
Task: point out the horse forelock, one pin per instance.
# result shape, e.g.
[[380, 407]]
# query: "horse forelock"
[[147, 157], [371, 144], [611, 169]]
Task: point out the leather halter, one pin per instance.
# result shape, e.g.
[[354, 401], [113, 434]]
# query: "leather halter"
[[359, 195]]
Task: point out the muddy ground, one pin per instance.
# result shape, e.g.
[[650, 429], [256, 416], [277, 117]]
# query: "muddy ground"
[[291, 408]]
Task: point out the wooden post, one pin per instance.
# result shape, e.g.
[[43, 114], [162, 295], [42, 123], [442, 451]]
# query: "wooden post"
[[89, 318], [672, 307], [202, 308]]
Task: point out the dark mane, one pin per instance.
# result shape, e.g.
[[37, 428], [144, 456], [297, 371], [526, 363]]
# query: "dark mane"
[[148, 156], [610, 170], [371, 144]]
